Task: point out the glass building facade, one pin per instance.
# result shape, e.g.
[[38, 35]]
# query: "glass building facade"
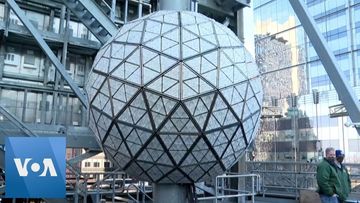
[[298, 94]]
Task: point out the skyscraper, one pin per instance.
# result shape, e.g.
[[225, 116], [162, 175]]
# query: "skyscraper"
[[289, 62]]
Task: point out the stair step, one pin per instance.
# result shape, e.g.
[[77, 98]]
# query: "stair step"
[[93, 17], [94, 24], [103, 33], [99, 29]]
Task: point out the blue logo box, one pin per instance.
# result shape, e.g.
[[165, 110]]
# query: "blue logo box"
[[35, 167]]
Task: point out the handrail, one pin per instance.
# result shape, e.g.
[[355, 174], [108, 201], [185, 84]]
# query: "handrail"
[[255, 183], [82, 186], [107, 175], [284, 179], [137, 189]]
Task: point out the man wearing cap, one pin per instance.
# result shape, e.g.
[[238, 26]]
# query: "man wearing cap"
[[343, 172], [328, 180]]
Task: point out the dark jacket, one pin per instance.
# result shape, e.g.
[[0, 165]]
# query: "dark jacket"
[[328, 180], [345, 179]]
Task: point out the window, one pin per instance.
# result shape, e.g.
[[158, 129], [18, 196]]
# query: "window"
[[9, 57], [13, 21], [47, 105], [35, 23], [71, 64], [37, 19], [29, 58], [96, 164], [1, 12], [80, 70], [74, 27], [56, 25], [107, 164], [87, 164], [67, 66], [82, 31]]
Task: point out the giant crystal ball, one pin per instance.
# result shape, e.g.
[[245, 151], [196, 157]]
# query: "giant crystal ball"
[[175, 98]]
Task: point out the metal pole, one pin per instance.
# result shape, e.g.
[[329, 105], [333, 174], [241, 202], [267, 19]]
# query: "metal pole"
[[76, 193], [296, 185], [112, 13], [43, 108], [216, 189], [253, 192], [6, 19], [179, 5], [343, 133], [317, 126], [222, 187], [140, 9], [342, 87], [51, 21], [113, 188], [2, 57], [85, 194], [62, 19], [126, 11], [240, 25], [24, 106], [138, 194], [275, 138], [293, 120], [97, 188], [317, 121], [144, 191]]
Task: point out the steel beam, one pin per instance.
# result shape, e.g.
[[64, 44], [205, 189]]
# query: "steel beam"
[[2, 56], [82, 141], [59, 67], [82, 157], [343, 88], [99, 15], [76, 137], [89, 13], [16, 122], [223, 7]]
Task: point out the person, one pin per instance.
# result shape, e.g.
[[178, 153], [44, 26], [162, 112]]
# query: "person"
[[343, 172], [327, 176]]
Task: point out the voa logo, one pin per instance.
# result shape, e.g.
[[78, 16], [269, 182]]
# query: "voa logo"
[[35, 167], [48, 165]]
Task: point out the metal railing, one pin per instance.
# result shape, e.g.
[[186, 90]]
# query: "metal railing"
[[110, 185], [287, 179], [141, 193], [223, 189]]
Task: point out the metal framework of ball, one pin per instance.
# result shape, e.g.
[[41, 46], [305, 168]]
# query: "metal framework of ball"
[[174, 98]]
